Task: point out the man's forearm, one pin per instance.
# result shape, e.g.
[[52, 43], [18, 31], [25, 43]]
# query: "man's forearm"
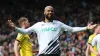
[[87, 50], [21, 30], [16, 49], [77, 29], [92, 50]]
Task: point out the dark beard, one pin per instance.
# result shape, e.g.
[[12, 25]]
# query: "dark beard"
[[50, 18]]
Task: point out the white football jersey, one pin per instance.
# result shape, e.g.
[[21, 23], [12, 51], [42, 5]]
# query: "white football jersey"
[[96, 41], [47, 31]]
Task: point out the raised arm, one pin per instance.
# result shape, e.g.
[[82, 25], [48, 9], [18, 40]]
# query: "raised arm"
[[25, 31], [21, 30], [76, 29]]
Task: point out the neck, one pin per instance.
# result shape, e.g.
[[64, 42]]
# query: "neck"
[[95, 33], [47, 20], [23, 27]]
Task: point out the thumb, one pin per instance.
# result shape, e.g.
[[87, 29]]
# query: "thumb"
[[94, 25]]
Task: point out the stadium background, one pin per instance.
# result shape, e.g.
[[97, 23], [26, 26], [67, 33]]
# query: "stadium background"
[[70, 12]]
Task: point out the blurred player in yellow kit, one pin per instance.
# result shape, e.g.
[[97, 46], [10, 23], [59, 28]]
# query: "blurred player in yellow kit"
[[22, 43], [91, 37]]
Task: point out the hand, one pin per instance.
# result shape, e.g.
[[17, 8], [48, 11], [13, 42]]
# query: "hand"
[[90, 26], [11, 24]]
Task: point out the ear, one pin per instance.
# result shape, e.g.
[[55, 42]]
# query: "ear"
[[44, 12]]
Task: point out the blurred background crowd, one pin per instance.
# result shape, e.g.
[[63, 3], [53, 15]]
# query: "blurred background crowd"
[[71, 12]]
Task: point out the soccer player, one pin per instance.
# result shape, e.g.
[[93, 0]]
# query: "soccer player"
[[48, 31], [96, 41], [23, 45], [91, 37]]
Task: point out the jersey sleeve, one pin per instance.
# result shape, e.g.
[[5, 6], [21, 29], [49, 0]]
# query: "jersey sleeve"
[[90, 40], [94, 41], [20, 37], [71, 29], [28, 30]]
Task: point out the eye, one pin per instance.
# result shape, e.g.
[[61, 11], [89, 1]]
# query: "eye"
[[50, 11]]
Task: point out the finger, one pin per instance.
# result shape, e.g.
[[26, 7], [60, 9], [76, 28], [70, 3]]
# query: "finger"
[[91, 23], [94, 25], [9, 21]]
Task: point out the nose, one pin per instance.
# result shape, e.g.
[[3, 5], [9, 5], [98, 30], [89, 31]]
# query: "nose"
[[50, 11]]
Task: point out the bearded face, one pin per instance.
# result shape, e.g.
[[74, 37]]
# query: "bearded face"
[[49, 13]]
